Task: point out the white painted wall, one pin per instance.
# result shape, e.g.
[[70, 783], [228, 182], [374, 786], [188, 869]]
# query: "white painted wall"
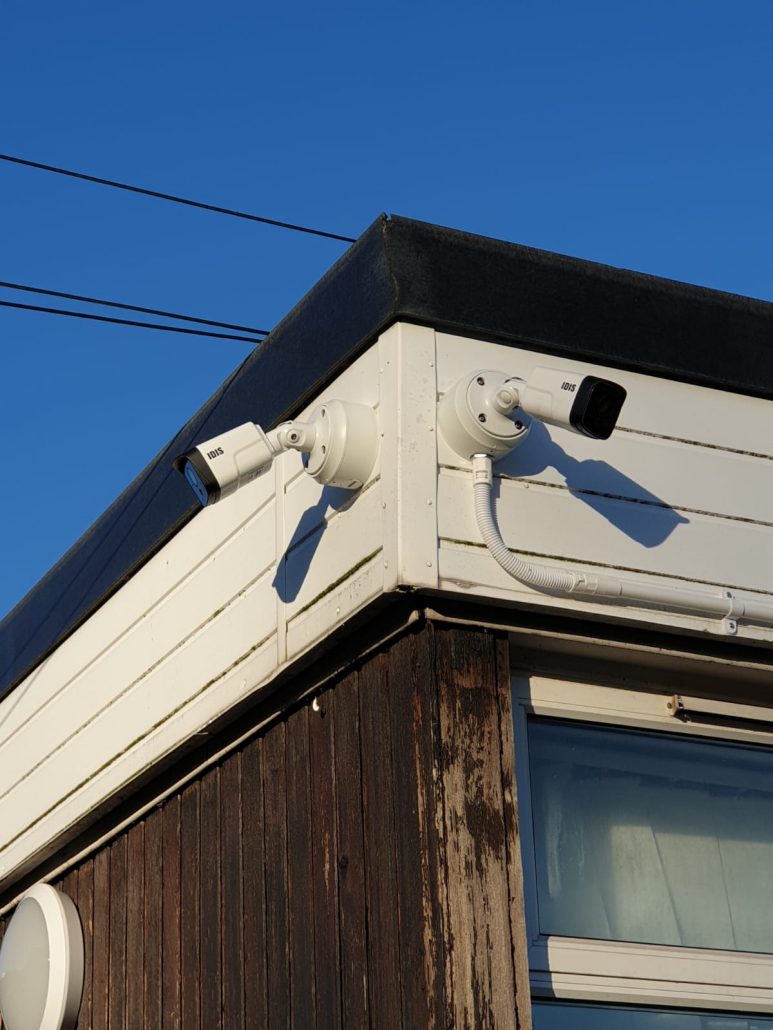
[[681, 494], [240, 592]]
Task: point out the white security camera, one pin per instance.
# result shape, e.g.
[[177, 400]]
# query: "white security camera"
[[585, 404], [340, 441], [489, 412], [218, 467]]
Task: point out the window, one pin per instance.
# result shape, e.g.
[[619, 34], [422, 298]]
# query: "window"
[[648, 861], [563, 1016]]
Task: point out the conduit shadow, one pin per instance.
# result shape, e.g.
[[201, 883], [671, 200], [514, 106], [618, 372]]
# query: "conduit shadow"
[[626, 504], [290, 575], [631, 508]]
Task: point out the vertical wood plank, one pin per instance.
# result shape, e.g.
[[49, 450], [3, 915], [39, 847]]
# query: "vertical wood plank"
[[277, 952], [86, 913], [69, 886], [233, 907], [117, 974], [210, 887], [101, 948], [324, 836], [135, 929], [351, 865], [512, 837], [253, 867], [478, 891], [171, 968], [380, 858], [299, 873], [321, 876], [189, 907], [419, 832], [153, 919]]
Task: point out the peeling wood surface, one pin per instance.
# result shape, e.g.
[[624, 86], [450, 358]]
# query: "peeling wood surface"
[[418, 833], [518, 932], [354, 865], [478, 894], [378, 813]]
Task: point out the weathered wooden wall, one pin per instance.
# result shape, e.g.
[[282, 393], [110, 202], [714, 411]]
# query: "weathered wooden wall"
[[353, 866]]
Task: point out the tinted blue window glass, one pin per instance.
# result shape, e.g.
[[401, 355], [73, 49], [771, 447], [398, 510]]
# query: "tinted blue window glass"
[[556, 1016], [652, 837]]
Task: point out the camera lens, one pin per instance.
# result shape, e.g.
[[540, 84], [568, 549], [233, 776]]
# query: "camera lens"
[[195, 483], [597, 407]]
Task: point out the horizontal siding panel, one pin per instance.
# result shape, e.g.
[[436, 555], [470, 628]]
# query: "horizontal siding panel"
[[309, 626], [120, 696], [160, 638], [471, 572], [653, 472], [213, 538], [335, 549], [653, 405], [197, 545], [536, 520], [201, 625], [43, 808]]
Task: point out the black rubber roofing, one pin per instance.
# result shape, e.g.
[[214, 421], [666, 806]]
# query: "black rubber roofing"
[[411, 271]]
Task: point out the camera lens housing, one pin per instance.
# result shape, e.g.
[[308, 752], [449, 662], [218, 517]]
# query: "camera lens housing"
[[596, 407]]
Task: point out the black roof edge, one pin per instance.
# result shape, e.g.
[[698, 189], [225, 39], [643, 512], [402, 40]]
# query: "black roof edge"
[[400, 269]]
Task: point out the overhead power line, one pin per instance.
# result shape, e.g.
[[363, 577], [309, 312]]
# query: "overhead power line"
[[174, 199], [126, 321], [131, 307]]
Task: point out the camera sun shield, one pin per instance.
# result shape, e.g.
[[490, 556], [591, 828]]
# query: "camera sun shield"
[[596, 407]]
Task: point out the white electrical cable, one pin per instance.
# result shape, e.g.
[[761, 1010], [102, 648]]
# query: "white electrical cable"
[[602, 587]]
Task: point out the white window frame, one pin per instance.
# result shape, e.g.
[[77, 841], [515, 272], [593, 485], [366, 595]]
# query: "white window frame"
[[621, 972]]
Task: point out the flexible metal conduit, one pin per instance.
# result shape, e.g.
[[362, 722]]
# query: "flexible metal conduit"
[[601, 587]]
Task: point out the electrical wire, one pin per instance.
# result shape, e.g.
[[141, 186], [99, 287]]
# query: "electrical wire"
[[130, 307], [126, 321], [173, 198]]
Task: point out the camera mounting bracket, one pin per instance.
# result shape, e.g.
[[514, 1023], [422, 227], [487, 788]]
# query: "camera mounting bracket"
[[480, 415]]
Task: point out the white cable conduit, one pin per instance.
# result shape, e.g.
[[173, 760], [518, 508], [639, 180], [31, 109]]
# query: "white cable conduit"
[[602, 587]]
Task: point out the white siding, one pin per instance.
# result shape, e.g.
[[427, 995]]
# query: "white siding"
[[683, 491], [242, 590], [681, 494]]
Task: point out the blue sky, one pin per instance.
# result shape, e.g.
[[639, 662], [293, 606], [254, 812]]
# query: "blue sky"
[[638, 134]]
